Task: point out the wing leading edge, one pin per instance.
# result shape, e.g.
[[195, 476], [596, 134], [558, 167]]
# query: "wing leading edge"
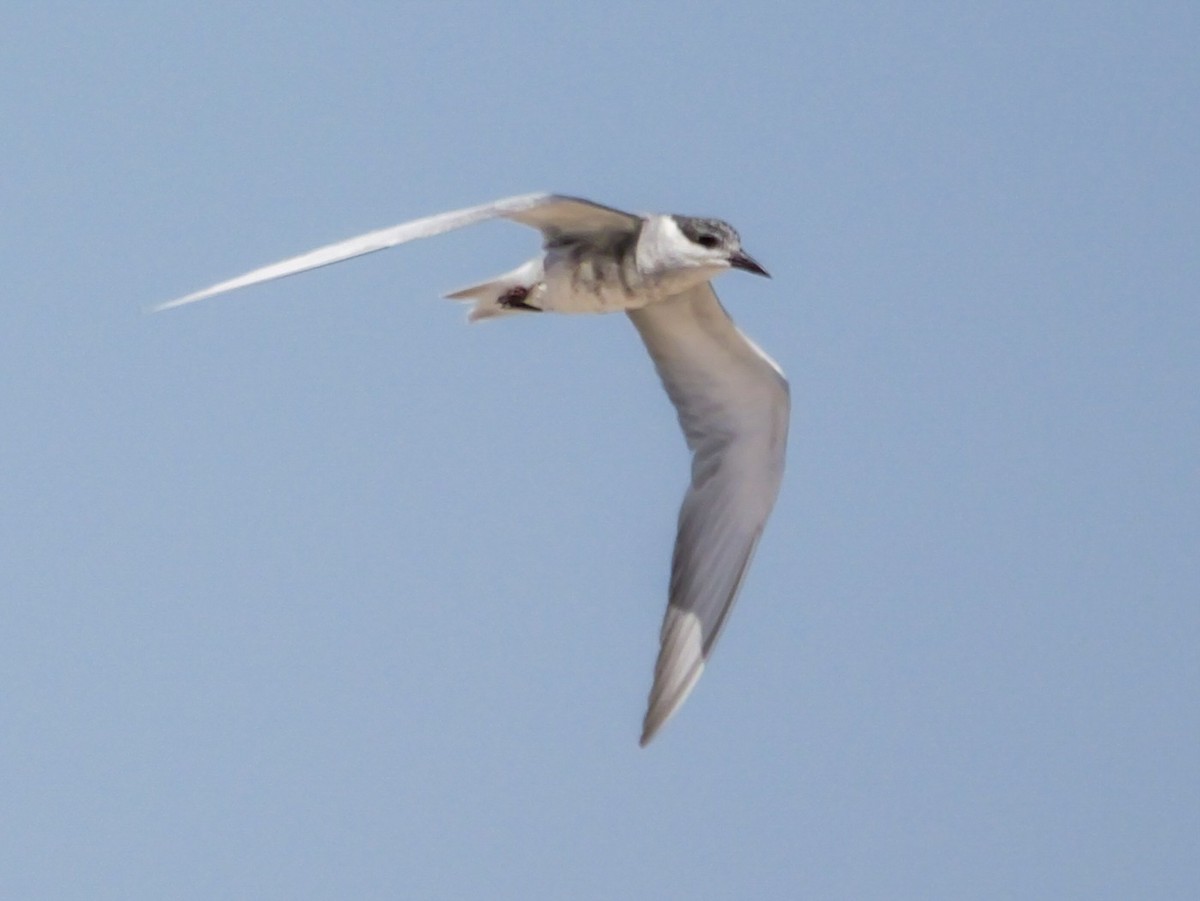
[[733, 405]]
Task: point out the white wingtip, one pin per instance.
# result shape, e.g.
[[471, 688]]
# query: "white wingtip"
[[680, 664], [180, 301], [305, 262]]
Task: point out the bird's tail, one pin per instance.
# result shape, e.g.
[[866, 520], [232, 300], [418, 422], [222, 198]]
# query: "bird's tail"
[[504, 294]]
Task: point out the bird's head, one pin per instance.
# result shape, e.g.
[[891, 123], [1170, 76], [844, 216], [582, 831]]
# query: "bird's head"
[[711, 244]]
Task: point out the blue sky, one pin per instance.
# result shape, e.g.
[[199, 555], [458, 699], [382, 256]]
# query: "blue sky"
[[314, 591]]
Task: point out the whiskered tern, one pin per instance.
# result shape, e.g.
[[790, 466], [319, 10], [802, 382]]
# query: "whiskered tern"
[[732, 399]]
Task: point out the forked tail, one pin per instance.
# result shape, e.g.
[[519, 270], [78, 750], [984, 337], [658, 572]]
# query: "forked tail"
[[505, 294]]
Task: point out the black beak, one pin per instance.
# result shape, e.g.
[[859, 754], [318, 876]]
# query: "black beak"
[[742, 260]]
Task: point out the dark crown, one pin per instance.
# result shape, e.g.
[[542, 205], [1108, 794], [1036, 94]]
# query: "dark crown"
[[707, 232]]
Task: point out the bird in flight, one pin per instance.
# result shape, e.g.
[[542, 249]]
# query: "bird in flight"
[[731, 398]]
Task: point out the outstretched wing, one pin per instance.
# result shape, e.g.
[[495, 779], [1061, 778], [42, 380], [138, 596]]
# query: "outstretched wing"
[[733, 405], [552, 214]]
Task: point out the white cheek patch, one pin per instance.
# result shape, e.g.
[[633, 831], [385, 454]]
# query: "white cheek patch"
[[673, 233]]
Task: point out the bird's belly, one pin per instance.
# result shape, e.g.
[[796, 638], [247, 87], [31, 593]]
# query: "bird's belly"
[[591, 286], [559, 298]]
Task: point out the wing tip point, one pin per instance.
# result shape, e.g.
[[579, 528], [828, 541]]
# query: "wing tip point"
[[151, 308]]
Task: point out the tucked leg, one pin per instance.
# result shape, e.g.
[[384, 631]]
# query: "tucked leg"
[[514, 299]]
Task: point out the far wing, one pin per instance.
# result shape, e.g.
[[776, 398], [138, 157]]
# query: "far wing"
[[551, 213], [733, 405], [559, 215]]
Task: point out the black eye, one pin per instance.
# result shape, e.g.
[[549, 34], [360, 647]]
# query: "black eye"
[[709, 241]]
